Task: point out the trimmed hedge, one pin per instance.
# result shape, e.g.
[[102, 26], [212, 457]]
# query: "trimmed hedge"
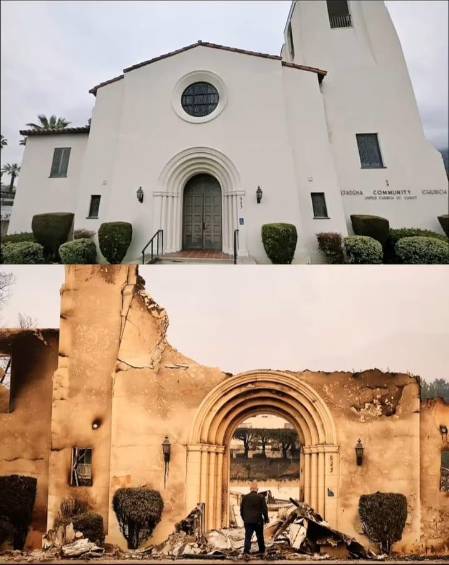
[[51, 231], [372, 226], [279, 241], [114, 239], [422, 251], [17, 496], [361, 249], [90, 524], [397, 234], [83, 234], [78, 251], [331, 245], [24, 252], [17, 237], [383, 517], [138, 511], [444, 222]]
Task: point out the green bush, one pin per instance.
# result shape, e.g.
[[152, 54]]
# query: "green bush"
[[444, 222], [78, 251], [17, 237], [51, 231], [83, 234], [138, 511], [361, 249], [422, 251], [24, 252], [279, 241], [114, 239], [397, 234], [90, 524], [372, 226], [17, 496], [331, 245], [383, 517]]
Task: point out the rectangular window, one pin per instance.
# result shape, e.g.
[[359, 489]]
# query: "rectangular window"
[[444, 472], [81, 468], [94, 206], [5, 382], [339, 15], [290, 41], [60, 162], [369, 151], [319, 205]]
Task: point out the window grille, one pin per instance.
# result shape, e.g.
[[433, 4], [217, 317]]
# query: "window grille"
[[200, 99], [444, 471], [60, 163], [369, 151], [339, 15], [81, 468], [290, 41], [94, 207], [319, 205]]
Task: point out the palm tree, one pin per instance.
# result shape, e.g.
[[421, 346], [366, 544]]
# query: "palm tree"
[[12, 170], [3, 141], [49, 123]]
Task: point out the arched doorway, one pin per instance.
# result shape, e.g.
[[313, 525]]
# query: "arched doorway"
[[201, 221], [283, 394]]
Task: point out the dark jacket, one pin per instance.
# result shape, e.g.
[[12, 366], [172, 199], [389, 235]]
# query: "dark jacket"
[[253, 509]]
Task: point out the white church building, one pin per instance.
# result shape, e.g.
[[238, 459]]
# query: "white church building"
[[208, 139]]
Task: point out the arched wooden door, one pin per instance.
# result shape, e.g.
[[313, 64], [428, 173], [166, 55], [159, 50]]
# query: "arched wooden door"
[[202, 214]]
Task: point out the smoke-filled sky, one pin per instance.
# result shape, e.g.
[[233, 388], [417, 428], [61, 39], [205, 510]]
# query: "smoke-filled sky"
[[53, 52], [282, 317]]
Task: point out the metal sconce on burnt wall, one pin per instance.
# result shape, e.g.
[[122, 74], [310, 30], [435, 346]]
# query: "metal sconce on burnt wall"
[[443, 432], [166, 452], [139, 194], [359, 451], [259, 194]]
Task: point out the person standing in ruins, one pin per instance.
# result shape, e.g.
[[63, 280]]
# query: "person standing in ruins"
[[254, 513]]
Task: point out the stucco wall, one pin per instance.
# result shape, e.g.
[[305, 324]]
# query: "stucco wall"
[[25, 431], [435, 503]]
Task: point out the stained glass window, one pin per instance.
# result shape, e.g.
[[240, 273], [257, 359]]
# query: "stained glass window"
[[200, 99], [369, 151], [319, 205]]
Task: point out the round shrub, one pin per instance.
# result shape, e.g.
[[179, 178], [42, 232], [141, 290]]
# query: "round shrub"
[[24, 252], [383, 517], [372, 226], [17, 237], [78, 251], [17, 496], [114, 239], [51, 231], [444, 222], [397, 234], [83, 234], [331, 245], [361, 249], [138, 511], [90, 524], [279, 241], [422, 251]]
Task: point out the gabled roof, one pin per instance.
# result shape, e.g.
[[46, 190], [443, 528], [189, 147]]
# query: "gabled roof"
[[321, 74], [60, 131]]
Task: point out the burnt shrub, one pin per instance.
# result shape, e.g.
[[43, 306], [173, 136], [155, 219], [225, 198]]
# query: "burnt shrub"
[[78, 251], [279, 241], [51, 231], [399, 233], [331, 245], [22, 253], [444, 222], [422, 251], [6, 531], [361, 249], [383, 516], [114, 239], [17, 496], [372, 226], [90, 524], [69, 508], [138, 511]]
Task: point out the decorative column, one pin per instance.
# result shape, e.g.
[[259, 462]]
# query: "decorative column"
[[314, 479], [331, 478], [166, 216], [193, 473], [233, 216], [219, 507], [307, 474], [321, 480]]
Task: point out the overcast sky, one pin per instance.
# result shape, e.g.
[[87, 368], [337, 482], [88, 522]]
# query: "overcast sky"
[[53, 52], [312, 317]]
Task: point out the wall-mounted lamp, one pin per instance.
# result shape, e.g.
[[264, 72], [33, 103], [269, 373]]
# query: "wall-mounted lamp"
[[139, 194], [443, 432], [166, 452], [359, 449], [259, 194]]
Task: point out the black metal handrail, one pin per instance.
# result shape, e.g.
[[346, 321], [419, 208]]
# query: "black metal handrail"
[[159, 237], [340, 21], [236, 245]]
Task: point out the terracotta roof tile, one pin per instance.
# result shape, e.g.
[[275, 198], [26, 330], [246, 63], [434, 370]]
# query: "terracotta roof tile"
[[62, 131]]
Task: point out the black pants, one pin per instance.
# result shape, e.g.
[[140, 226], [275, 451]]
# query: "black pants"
[[249, 531]]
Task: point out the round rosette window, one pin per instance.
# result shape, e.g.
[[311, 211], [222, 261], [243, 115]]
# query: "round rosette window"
[[200, 99], [199, 96]]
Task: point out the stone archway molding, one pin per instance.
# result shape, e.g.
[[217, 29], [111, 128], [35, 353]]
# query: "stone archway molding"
[[232, 401], [167, 209]]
